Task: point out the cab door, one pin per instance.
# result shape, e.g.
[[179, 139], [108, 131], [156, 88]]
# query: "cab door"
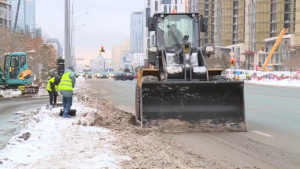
[[14, 67]]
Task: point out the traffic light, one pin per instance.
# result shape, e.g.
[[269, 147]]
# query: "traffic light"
[[232, 61], [102, 49]]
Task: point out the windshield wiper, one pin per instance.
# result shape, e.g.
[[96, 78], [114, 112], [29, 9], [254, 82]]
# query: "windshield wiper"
[[173, 36]]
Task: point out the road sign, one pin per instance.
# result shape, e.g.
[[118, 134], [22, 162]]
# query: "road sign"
[[231, 53], [238, 73], [270, 67]]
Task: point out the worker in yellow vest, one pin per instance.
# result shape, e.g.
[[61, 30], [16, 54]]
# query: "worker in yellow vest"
[[52, 87], [65, 88]]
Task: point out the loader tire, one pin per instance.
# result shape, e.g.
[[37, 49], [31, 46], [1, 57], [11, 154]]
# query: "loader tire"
[[218, 78], [137, 103]]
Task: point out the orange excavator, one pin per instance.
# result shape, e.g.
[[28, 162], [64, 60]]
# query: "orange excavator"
[[266, 64]]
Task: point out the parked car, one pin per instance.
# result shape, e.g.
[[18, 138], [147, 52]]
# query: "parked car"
[[119, 76], [89, 75], [129, 76], [123, 76], [230, 73]]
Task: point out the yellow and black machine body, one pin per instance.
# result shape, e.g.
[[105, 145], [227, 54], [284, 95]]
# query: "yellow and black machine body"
[[178, 92]]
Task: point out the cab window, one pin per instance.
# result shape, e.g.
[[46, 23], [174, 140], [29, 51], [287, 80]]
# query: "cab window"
[[14, 62]]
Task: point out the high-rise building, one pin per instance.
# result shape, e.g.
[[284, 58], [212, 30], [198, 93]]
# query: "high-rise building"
[[26, 16], [6, 15], [118, 51], [136, 32], [38, 32], [246, 27], [115, 54]]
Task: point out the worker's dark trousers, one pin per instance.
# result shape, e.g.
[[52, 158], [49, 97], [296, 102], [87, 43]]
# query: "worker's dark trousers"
[[52, 96]]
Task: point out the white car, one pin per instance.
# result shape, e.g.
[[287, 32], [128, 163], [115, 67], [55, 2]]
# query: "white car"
[[229, 73]]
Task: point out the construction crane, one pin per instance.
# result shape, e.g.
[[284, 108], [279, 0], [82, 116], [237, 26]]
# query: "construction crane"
[[265, 65]]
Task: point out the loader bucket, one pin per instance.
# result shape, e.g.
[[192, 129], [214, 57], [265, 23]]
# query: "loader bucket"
[[193, 106]]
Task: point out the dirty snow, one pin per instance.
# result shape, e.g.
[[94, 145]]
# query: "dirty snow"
[[10, 93], [54, 141], [275, 82], [200, 69]]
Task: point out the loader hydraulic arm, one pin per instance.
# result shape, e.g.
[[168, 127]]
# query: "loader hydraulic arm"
[[282, 33]]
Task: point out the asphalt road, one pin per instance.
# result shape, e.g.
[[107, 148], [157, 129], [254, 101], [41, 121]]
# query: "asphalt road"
[[8, 107], [273, 119]]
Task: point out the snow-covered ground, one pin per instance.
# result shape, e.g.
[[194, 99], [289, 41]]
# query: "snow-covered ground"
[[59, 142], [10, 93], [282, 83], [50, 141]]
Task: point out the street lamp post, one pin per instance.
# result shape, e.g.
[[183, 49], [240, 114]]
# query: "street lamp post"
[[67, 34], [72, 32]]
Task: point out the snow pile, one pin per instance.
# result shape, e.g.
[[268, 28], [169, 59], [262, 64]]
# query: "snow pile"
[[275, 82], [10, 93], [50, 141], [146, 146], [80, 85]]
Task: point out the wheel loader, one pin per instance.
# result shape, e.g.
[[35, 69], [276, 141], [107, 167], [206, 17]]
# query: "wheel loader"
[[16, 74], [179, 93]]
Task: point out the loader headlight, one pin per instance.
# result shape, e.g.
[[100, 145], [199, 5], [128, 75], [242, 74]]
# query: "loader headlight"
[[209, 49]]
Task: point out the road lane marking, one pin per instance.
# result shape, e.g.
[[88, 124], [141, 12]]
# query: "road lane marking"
[[297, 112], [274, 97], [261, 133]]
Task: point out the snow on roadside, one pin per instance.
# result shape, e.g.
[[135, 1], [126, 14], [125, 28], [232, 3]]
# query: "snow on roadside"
[[49, 140], [282, 83], [10, 93]]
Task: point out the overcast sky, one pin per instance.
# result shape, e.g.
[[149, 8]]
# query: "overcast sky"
[[107, 24]]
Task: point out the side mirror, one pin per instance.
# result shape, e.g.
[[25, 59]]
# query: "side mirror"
[[152, 55], [203, 24], [151, 24]]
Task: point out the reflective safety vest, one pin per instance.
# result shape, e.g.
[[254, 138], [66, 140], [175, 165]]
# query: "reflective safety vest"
[[66, 82], [49, 84]]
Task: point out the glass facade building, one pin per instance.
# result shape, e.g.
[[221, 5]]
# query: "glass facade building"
[[26, 16]]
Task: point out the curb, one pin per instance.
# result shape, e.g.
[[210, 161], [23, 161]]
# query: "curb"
[[24, 97]]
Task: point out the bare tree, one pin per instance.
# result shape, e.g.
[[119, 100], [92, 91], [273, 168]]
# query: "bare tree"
[[292, 63], [40, 55]]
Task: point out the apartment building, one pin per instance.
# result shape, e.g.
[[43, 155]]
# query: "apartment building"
[[245, 27], [6, 15]]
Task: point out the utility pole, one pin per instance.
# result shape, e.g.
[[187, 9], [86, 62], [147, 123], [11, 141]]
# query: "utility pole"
[[25, 28], [16, 18], [67, 34]]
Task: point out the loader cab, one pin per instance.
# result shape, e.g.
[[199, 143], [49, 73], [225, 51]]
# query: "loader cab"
[[171, 32], [16, 69]]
